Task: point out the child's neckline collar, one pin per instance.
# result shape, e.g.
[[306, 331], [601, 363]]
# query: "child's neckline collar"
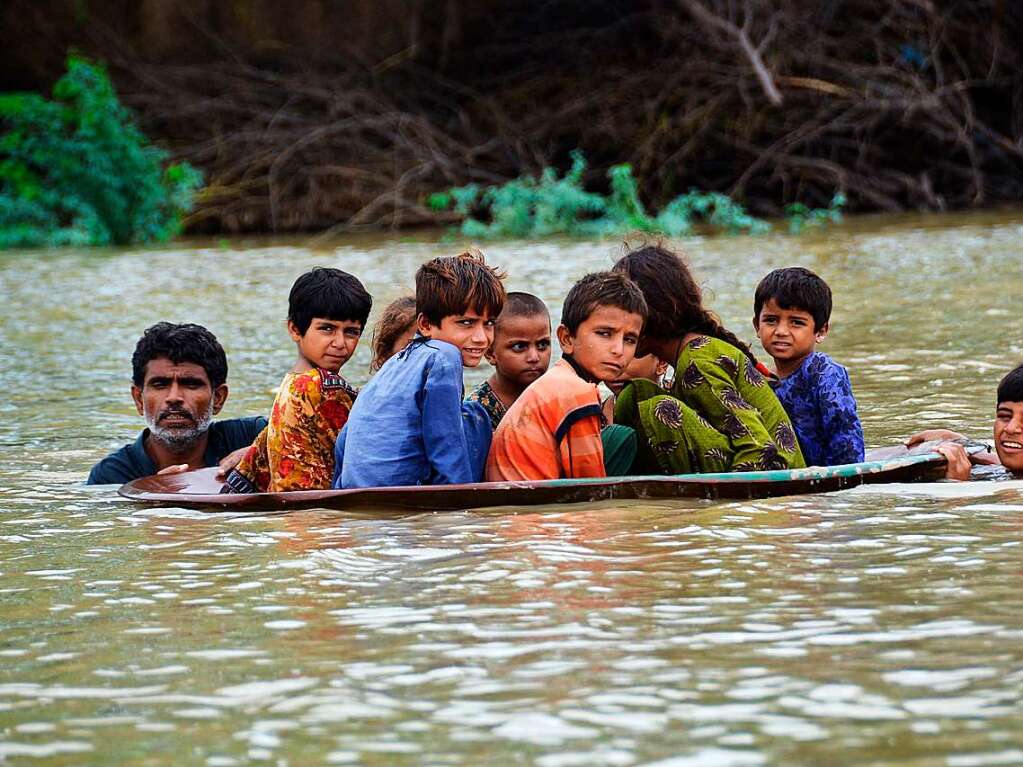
[[579, 369]]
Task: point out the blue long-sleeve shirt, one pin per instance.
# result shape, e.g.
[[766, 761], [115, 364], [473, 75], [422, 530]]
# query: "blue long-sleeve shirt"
[[818, 398], [409, 425]]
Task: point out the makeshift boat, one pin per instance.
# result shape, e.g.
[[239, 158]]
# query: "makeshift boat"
[[200, 489]]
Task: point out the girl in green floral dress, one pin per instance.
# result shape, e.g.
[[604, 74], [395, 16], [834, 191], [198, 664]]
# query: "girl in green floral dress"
[[720, 413]]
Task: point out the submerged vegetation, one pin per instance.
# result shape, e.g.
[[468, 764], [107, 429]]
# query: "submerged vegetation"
[[77, 170], [533, 207]]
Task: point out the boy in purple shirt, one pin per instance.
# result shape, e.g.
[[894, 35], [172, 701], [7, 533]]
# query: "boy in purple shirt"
[[791, 312]]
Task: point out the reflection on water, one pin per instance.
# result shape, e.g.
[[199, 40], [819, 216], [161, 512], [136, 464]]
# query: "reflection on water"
[[864, 627]]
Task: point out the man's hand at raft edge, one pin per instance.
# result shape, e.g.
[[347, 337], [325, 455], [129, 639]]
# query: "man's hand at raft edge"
[[929, 435], [959, 464], [229, 461]]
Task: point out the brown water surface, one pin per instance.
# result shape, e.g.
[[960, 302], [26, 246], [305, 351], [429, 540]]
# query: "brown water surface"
[[851, 628]]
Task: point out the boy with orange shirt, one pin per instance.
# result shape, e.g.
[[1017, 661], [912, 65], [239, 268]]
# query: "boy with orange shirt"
[[554, 429]]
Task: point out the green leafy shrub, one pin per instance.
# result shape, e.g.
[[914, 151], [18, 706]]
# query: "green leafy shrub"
[[78, 171], [800, 217], [531, 207]]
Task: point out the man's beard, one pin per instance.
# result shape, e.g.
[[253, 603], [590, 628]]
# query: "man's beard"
[[179, 440]]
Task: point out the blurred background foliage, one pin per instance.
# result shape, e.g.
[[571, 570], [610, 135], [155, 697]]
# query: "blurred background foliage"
[[333, 115], [77, 171]]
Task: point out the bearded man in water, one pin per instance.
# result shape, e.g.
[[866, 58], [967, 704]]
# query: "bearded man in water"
[[179, 382]]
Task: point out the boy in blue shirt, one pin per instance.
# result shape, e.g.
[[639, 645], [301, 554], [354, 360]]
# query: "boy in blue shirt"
[[791, 312], [409, 425]]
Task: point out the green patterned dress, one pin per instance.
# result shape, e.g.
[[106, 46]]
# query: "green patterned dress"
[[720, 415]]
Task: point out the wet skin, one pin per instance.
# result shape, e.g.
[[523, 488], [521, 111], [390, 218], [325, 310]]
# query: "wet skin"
[[326, 343], [648, 366], [1009, 435], [604, 343], [177, 397], [521, 353], [470, 332], [788, 335]]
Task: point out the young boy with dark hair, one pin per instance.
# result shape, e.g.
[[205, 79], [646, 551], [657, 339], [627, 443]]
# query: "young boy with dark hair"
[[327, 311], [409, 425], [791, 314], [520, 354], [554, 429], [1007, 462]]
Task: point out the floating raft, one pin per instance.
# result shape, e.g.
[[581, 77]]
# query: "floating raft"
[[201, 490]]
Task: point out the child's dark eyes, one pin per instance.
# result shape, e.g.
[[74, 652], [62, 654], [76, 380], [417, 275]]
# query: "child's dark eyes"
[[543, 345], [631, 340], [519, 347]]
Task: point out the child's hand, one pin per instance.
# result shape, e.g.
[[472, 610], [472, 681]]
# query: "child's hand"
[[177, 468], [958, 467], [929, 435], [229, 461]]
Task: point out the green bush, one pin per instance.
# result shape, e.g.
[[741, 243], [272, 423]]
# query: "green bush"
[[800, 217], [78, 171], [537, 207]]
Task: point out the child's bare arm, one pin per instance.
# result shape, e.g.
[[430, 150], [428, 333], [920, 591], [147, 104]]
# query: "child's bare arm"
[[929, 435]]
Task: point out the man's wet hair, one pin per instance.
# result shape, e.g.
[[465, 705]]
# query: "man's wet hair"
[[330, 294], [453, 285], [519, 304], [179, 343], [601, 289], [1010, 388], [795, 288]]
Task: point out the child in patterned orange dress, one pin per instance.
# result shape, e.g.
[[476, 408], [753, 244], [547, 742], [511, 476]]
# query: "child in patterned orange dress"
[[327, 311]]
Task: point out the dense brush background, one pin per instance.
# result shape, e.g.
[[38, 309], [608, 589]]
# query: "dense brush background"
[[311, 115]]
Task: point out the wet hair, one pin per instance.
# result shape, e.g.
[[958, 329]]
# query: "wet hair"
[[330, 294], [518, 304], [795, 288], [1010, 388], [601, 289], [453, 285], [399, 315], [674, 300], [179, 343]]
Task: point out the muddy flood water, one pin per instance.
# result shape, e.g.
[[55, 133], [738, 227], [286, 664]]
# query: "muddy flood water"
[[860, 627]]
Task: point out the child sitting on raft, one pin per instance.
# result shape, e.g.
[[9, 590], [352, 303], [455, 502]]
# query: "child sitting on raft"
[[1007, 461], [648, 366], [791, 314], [720, 414], [520, 354], [409, 425], [554, 429], [393, 331], [327, 311]]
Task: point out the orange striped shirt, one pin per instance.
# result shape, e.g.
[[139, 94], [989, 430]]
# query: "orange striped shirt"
[[552, 430]]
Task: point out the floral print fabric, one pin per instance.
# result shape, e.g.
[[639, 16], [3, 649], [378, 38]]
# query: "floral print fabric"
[[296, 449], [720, 415], [818, 398], [490, 402]]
